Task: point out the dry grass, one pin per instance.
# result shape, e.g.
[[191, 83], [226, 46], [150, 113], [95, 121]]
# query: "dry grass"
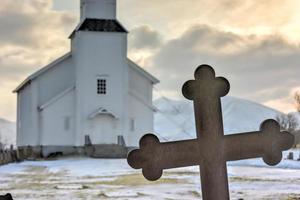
[[138, 180]]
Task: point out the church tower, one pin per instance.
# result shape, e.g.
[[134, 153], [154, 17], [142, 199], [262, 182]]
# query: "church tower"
[[99, 50], [99, 9]]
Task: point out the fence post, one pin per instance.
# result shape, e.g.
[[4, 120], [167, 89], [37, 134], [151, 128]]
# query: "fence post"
[[1, 157]]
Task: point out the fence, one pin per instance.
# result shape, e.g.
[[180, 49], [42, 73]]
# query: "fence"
[[8, 156]]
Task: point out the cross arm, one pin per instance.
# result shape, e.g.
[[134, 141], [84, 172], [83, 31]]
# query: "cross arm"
[[267, 143], [153, 157]]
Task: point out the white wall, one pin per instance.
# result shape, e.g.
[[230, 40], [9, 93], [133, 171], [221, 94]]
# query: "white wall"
[[100, 54], [140, 85], [24, 125], [143, 121], [99, 9], [27, 126], [56, 80], [37, 93], [140, 107], [57, 122]]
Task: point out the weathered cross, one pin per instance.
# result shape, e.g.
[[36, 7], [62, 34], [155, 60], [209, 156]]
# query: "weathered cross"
[[211, 150]]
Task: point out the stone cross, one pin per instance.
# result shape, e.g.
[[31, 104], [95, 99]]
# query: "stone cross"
[[212, 149]]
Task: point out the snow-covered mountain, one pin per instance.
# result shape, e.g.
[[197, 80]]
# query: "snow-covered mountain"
[[7, 132], [175, 119]]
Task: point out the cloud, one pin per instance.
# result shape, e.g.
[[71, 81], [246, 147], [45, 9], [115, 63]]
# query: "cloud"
[[30, 23], [31, 35], [260, 68], [143, 38], [286, 103], [143, 42], [248, 16]]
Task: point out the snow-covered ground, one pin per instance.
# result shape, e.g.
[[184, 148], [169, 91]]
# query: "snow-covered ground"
[[85, 178]]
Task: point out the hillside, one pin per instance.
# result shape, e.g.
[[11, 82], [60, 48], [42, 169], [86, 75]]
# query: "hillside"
[[175, 119], [7, 132]]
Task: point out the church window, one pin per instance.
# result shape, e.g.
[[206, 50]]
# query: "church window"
[[67, 123], [132, 124], [101, 86]]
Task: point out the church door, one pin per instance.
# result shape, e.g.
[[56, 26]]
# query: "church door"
[[103, 130]]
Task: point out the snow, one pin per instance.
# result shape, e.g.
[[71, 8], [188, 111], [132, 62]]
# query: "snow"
[[7, 132], [83, 166], [77, 166], [175, 119], [86, 178]]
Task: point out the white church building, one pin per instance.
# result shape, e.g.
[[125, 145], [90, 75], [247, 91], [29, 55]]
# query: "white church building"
[[92, 96]]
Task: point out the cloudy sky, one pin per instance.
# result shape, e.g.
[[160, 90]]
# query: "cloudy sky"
[[255, 44]]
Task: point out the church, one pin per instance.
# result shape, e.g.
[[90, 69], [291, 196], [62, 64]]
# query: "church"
[[92, 100]]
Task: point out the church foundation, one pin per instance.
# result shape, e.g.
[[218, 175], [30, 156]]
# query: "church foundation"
[[95, 151]]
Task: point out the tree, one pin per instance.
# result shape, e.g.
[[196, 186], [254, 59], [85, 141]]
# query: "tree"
[[288, 122], [1, 142], [297, 101], [297, 104]]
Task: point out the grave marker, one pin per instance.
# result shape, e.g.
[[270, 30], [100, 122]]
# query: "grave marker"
[[212, 149]]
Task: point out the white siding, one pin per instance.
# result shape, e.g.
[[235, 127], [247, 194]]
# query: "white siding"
[[143, 121], [55, 130], [56, 80], [140, 85], [140, 107], [101, 54], [99, 9], [28, 120], [37, 93], [24, 129]]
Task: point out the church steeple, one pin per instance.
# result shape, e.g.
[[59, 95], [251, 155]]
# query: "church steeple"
[[97, 9], [98, 16]]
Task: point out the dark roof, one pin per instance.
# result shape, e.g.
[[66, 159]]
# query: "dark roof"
[[101, 25]]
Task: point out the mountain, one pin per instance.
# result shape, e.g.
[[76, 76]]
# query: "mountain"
[[175, 119], [7, 132]]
